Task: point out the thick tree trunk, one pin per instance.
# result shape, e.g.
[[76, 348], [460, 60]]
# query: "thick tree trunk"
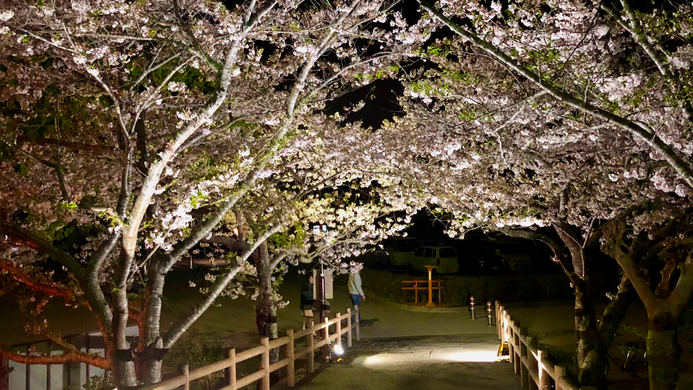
[[591, 357], [151, 361], [661, 351], [123, 370]]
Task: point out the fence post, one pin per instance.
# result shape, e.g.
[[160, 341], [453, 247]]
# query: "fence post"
[[310, 359], [511, 342], [416, 291], [265, 363], [543, 375], [517, 348], [498, 321], [291, 367], [231, 371], [506, 323], [186, 373], [533, 362], [339, 329], [349, 325], [358, 323], [559, 373], [524, 369]]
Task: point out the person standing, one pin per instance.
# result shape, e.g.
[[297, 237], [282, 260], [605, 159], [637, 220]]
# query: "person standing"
[[355, 288], [307, 302]]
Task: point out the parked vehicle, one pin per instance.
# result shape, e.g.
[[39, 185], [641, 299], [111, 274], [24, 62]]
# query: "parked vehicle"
[[515, 262], [443, 257], [505, 254], [400, 249], [489, 265]]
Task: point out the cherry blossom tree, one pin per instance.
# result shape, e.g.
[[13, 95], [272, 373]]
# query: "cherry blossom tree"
[[353, 222], [558, 114], [143, 124], [658, 235]]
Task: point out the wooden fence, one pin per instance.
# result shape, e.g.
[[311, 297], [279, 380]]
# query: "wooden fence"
[[344, 324], [534, 366], [423, 285]]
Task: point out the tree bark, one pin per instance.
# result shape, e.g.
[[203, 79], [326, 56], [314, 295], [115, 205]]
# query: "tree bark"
[[662, 347], [151, 358], [265, 308], [590, 354]]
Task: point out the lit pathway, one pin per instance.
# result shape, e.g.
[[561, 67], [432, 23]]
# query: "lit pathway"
[[413, 363]]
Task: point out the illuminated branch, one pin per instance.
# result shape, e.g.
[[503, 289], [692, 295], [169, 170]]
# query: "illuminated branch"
[[680, 165], [613, 247], [52, 290], [70, 357]]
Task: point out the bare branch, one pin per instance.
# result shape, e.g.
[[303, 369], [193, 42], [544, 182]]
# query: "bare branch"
[[558, 252], [614, 233], [153, 67], [642, 40], [73, 145], [219, 285], [55, 166]]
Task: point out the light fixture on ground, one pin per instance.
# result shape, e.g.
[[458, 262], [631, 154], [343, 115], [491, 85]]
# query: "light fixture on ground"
[[336, 351]]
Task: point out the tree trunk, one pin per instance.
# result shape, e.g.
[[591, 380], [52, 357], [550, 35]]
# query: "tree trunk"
[[151, 357], [151, 362], [123, 370], [265, 309], [124, 373], [591, 356], [661, 351]]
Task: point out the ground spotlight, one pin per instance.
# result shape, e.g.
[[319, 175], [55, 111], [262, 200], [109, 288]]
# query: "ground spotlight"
[[336, 351]]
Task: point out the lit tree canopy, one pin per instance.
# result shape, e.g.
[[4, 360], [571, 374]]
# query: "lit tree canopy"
[[145, 123]]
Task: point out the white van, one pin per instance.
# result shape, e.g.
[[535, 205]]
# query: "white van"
[[443, 257], [400, 250]]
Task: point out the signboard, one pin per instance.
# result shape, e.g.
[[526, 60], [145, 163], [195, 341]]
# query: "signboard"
[[329, 291]]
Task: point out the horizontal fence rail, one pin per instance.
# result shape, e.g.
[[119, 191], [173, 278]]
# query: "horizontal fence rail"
[[423, 285], [533, 365], [343, 323]]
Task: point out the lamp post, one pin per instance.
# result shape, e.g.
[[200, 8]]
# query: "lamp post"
[[430, 286], [324, 305]]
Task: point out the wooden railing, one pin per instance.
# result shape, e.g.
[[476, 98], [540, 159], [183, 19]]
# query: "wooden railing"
[[423, 285], [536, 370], [266, 368]]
